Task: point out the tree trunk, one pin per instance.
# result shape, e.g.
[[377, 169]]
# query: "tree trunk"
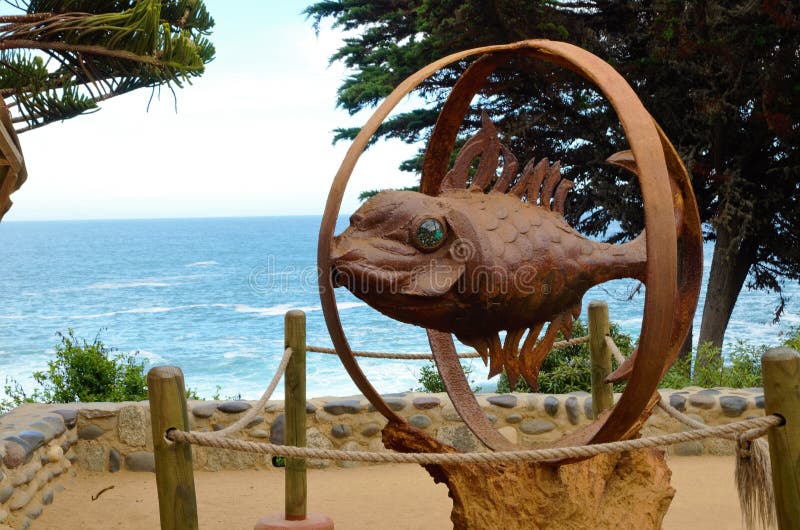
[[729, 268]]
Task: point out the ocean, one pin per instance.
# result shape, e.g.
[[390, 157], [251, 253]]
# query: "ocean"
[[209, 295]]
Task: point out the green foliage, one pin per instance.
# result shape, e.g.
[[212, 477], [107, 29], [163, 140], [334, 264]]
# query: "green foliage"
[[793, 339], [430, 381], [568, 369], [731, 110], [740, 369], [364, 195], [83, 371], [97, 50]]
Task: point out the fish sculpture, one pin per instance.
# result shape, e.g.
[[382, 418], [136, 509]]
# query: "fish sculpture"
[[490, 253]]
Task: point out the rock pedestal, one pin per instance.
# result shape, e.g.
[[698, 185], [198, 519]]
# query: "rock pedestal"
[[628, 490]]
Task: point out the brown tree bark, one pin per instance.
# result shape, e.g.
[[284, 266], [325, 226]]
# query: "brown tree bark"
[[729, 268]]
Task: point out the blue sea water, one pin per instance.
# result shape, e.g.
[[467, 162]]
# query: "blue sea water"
[[209, 295]]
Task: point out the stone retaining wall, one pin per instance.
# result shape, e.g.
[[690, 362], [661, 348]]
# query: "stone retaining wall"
[[39, 443]]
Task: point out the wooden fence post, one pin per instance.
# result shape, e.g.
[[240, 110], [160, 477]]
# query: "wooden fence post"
[[295, 514], [781, 370], [602, 393], [177, 504], [295, 404]]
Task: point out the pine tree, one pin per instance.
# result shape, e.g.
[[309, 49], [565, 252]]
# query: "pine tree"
[[721, 77], [60, 58]]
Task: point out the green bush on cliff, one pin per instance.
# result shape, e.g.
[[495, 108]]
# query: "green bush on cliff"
[[83, 371]]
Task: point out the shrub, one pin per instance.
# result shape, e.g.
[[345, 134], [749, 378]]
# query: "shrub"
[[741, 368], [793, 338], [430, 380], [83, 371], [568, 369]]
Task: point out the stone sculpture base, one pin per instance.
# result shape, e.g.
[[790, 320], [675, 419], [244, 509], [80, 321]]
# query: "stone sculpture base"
[[624, 490]]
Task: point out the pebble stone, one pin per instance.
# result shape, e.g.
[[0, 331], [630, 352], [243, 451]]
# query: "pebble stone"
[[5, 492], [588, 408], [233, 407], [710, 392], [70, 417], [349, 446], [33, 440], [449, 413], [259, 433], [206, 410], [395, 403], [579, 393], [217, 426], [573, 412], [514, 418], [537, 426], [47, 496], [678, 402], [258, 420], [425, 403], [113, 460], [459, 436], [420, 421], [491, 417], [702, 401], [54, 453], [317, 440], [140, 461], [506, 401], [551, 405], [370, 429], [341, 430], [35, 512], [57, 422], [760, 402], [277, 430], [47, 429], [310, 408], [732, 406], [343, 406], [90, 432], [15, 455]]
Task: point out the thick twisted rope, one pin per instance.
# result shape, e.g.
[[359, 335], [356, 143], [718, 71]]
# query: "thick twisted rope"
[[428, 356], [533, 455], [612, 346]]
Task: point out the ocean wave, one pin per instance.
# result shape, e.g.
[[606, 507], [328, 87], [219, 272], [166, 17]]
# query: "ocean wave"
[[151, 357], [281, 309], [128, 284], [208, 263]]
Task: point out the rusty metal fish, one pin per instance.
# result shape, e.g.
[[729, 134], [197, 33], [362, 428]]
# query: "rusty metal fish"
[[489, 253]]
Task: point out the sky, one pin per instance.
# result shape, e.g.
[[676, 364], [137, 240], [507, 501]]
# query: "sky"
[[251, 137]]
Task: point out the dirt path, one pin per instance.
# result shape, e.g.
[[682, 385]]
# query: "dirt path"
[[400, 497]]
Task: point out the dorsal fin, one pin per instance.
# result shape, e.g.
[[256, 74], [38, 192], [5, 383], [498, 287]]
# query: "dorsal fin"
[[539, 184]]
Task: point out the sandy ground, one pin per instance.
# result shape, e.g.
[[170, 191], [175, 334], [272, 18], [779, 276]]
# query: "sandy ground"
[[401, 497]]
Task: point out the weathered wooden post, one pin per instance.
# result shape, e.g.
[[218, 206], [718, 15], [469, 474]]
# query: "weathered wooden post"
[[781, 370], [295, 514], [599, 328], [177, 504]]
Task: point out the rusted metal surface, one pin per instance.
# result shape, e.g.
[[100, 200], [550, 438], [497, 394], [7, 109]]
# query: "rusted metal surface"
[[469, 257]]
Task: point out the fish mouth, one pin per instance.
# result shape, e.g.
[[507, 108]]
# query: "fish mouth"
[[362, 278]]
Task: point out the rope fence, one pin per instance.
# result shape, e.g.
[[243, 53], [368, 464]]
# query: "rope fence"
[[757, 425], [428, 356], [172, 437]]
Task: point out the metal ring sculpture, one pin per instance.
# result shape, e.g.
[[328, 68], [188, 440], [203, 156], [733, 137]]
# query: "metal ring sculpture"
[[673, 238]]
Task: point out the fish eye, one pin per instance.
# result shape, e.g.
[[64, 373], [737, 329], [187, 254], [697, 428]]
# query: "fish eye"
[[429, 234]]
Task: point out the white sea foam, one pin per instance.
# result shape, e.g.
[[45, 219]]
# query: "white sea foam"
[[208, 263], [152, 357], [281, 309], [128, 284]]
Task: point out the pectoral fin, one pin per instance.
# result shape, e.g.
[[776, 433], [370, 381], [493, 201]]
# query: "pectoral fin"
[[433, 280]]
